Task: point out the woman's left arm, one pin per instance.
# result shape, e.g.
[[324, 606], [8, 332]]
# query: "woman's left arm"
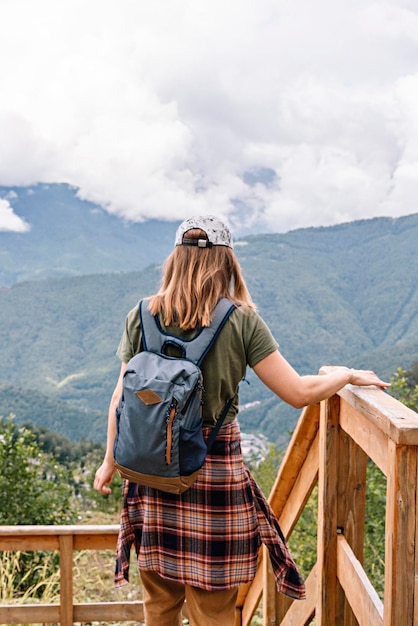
[[300, 391]]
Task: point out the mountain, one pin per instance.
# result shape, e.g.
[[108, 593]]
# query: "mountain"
[[346, 294], [69, 236]]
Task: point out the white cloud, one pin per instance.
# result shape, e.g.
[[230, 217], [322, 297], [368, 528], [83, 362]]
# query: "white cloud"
[[9, 221], [160, 109]]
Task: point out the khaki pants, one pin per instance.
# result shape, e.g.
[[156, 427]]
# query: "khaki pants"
[[163, 602]]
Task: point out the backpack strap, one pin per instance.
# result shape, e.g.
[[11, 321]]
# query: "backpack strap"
[[217, 427], [155, 339]]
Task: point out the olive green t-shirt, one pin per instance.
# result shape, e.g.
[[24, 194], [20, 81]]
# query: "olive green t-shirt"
[[244, 340]]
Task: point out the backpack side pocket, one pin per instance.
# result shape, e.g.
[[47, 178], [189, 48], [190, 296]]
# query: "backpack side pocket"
[[192, 449]]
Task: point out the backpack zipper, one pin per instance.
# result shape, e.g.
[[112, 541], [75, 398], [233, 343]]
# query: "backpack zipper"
[[170, 421], [198, 389]]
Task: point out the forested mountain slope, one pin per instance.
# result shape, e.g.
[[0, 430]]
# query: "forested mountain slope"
[[341, 295]]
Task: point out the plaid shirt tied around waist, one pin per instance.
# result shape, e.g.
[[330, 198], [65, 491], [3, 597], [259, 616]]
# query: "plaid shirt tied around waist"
[[208, 537]]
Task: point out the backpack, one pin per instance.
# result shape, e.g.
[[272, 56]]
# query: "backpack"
[[159, 441]]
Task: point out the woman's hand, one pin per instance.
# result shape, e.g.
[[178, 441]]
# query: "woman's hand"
[[103, 477], [364, 378]]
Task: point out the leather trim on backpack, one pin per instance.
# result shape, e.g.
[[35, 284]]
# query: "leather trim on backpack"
[[177, 485]]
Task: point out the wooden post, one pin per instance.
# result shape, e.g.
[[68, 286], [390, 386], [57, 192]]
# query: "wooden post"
[[66, 583], [400, 535], [326, 613], [269, 591], [416, 563], [351, 505]]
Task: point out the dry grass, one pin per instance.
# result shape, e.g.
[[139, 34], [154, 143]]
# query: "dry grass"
[[11, 571]]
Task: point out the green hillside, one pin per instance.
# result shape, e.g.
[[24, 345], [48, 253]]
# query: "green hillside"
[[51, 413], [341, 295]]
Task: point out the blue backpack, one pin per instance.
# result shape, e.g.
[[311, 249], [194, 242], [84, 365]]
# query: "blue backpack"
[[159, 441]]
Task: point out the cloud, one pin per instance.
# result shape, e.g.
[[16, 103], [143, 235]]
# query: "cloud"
[[169, 108], [9, 221]]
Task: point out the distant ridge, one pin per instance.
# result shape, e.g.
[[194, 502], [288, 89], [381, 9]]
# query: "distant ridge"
[[72, 237]]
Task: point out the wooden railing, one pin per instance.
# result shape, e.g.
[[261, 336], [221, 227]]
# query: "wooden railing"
[[66, 540], [330, 447]]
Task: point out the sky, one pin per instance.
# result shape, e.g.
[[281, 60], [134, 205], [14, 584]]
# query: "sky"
[[271, 114]]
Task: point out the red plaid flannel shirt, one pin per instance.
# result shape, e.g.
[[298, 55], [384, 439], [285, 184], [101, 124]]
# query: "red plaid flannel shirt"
[[209, 536]]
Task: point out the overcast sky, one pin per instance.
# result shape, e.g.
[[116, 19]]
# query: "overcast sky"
[[273, 114]]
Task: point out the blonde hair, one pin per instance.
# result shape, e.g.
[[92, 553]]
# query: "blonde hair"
[[194, 279]]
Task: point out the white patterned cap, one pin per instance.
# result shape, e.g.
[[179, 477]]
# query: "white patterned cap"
[[218, 234]]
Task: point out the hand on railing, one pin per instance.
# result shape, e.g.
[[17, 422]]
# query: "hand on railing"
[[365, 378]]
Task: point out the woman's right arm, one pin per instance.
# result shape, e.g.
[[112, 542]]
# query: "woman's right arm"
[[105, 472], [300, 391]]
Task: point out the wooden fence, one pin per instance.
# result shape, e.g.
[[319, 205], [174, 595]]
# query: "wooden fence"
[[330, 447]]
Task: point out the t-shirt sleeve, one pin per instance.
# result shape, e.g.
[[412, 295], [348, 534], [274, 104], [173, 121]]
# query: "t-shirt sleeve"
[[130, 342], [259, 341]]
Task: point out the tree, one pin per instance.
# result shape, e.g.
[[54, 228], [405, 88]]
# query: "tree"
[[404, 386], [265, 471], [34, 488]]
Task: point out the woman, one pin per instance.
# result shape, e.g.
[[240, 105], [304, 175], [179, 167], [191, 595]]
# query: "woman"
[[201, 545]]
